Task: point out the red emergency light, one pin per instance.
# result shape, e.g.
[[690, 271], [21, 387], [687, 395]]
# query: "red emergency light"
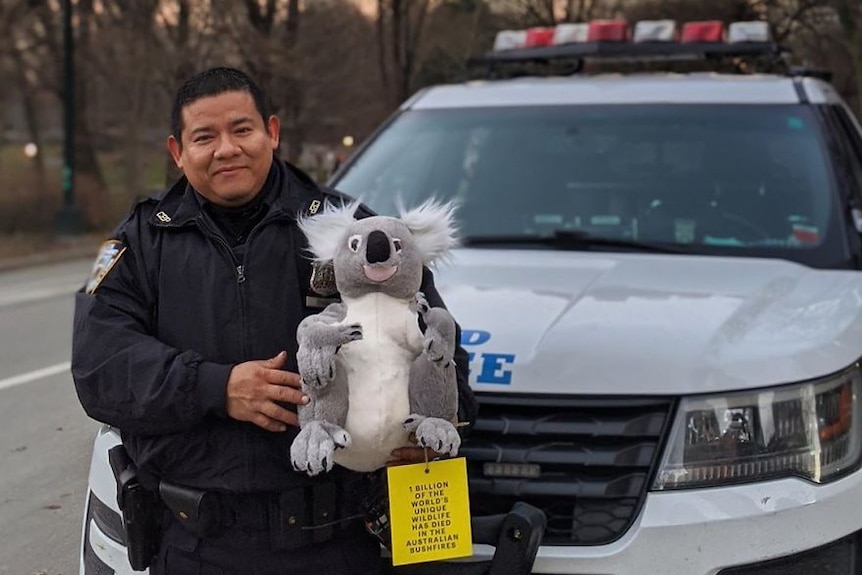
[[537, 37], [707, 31], [608, 31]]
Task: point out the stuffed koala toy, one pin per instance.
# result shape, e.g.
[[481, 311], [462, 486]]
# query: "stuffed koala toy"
[[372, 375]]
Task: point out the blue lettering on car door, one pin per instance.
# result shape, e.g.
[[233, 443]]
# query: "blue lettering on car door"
[[493, 367]]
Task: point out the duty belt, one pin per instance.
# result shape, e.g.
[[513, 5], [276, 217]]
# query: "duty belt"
[[293, 518]]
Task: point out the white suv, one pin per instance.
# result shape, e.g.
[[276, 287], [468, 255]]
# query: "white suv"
[[660, 290]]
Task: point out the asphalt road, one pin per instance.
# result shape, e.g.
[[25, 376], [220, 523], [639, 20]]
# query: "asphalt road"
[[45, 437]]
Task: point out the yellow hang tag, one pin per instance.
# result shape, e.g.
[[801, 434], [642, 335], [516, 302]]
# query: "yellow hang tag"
[[429, 510]]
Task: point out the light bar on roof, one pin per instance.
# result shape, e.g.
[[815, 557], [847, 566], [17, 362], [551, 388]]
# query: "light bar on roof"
[[651, 39], [655, 31], [708, 31], [608, 31], [571, 33], [510, 40], [749, 32], [539, 36]]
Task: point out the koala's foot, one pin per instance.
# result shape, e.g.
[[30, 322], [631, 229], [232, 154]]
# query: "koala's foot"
[[312, 450], [434, 433]]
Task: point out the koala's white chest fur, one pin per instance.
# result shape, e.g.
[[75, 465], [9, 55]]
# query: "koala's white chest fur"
[[377, 368]]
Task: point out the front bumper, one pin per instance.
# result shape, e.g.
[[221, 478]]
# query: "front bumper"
[[702, 532], [694, 532]]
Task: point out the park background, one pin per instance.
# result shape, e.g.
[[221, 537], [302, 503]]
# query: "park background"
[[334, 70]]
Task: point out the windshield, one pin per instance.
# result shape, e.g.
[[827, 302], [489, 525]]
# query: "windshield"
[[705, 178]]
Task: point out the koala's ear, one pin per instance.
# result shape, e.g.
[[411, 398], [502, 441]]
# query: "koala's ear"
[[326, 232], [433, 227]]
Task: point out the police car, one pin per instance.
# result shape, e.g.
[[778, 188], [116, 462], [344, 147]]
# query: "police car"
[[660, 291]]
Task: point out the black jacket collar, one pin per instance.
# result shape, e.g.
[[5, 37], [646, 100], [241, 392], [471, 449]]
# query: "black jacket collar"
[[179, 206]]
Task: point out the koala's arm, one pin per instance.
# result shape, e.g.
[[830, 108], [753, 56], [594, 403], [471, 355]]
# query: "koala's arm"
[[322, 419], [319, 336], [433, 391], [467, 405]]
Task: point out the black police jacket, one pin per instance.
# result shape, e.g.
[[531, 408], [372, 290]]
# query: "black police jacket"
[[155, 337]]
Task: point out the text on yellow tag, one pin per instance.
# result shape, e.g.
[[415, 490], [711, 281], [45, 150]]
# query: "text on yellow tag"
[[429, 510]]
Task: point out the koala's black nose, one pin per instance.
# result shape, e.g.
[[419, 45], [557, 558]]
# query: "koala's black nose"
[[378, 247]]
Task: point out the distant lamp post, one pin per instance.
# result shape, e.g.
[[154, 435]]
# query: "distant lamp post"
[[69, 219], [31, 150], [347, 141]]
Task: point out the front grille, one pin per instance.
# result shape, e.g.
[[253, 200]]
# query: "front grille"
[[109, 521], [595, 460], [93, 565]]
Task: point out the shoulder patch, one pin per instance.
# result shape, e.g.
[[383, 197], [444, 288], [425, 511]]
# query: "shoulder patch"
[[109, 255]]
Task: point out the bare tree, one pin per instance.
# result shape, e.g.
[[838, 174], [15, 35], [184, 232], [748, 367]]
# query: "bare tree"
[[400, 24], [265, 34], [38, 52], [580, 10], [849, 13], [13, 12], [179, 37]]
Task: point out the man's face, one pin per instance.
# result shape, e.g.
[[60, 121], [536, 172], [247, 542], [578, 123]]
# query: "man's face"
[[226, 149]]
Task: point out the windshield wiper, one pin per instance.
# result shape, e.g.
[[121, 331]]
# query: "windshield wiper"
[[573, 240]]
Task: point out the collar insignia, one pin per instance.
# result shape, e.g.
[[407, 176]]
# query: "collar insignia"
[[313, 207], [163, 217]]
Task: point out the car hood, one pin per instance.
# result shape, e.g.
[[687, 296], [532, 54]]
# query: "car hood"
[[620, 324]]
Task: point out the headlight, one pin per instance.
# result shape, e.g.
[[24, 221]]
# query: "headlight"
[[807, 430]]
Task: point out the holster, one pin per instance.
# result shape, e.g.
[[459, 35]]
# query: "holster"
[[141, 510]]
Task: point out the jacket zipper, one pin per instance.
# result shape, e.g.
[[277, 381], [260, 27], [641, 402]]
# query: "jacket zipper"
[[239, 271]]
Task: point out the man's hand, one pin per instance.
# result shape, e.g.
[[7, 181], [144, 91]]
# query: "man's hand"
[[254, 387]]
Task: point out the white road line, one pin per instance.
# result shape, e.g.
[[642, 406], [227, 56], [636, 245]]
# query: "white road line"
[[34, 375], [36, 293]]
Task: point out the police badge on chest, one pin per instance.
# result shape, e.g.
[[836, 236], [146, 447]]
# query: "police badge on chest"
[[322, 290]]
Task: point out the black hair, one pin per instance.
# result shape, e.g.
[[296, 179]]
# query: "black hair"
[[213, 82]]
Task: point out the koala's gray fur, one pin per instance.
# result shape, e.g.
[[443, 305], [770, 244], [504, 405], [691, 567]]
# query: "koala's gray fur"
[[372, 376]]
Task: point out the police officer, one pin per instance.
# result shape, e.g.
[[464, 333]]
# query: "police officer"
[[184, 340]]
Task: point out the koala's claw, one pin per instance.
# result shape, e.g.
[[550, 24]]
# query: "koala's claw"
[[439, 344], [354, 332], [340, 437], [434, 433], [432, 349], [318, 345], [420, 304], [439, 351]]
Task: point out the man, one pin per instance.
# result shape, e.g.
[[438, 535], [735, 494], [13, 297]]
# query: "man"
[[184, 340]]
